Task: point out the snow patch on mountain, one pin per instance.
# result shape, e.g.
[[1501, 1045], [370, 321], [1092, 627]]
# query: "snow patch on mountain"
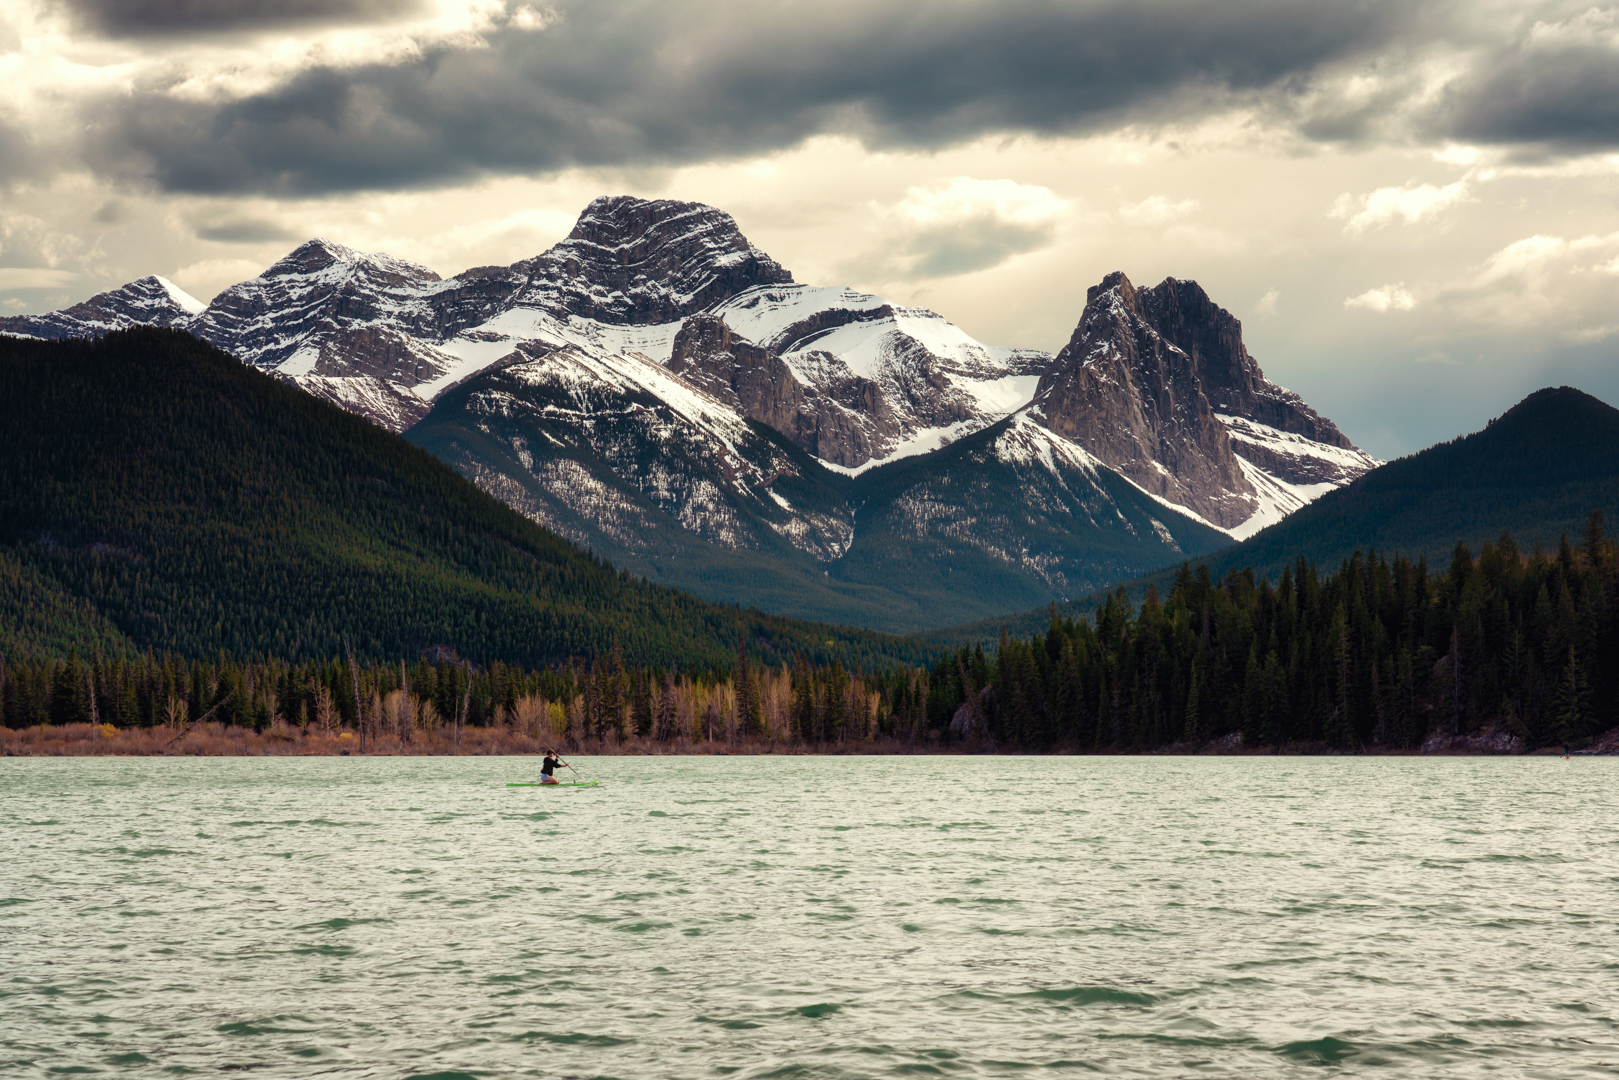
[[1277, 498], [181, 299], [1305, 457]]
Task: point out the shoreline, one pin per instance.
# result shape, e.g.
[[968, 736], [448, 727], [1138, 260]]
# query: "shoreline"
[[283, 740]]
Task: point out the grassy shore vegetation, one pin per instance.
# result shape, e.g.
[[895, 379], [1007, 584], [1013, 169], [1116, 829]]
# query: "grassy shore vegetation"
[[1379, 655], [163, 705]]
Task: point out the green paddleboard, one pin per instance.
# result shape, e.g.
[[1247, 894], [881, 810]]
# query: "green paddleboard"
[[565, 783]]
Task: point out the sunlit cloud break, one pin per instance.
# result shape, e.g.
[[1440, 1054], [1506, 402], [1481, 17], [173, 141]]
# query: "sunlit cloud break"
[[1387, 298], [1411, 204]]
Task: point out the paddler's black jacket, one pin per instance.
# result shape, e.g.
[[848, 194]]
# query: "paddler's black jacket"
[[548, 766]]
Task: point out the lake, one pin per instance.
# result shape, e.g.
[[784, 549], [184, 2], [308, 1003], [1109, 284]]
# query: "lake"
[[810, 917]]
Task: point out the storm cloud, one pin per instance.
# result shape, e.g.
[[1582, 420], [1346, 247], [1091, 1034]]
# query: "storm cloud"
[[1553, 92], [634, 84], [170, 18]]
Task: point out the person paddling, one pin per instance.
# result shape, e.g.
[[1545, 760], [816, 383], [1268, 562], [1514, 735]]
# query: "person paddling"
[[548, 768]]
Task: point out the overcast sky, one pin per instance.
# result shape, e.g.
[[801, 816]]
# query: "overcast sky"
[[1414, 209]]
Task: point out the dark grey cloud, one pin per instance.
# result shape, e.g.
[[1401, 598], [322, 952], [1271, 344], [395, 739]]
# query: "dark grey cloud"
[[243, 231], [171, 18], [638, 83], [975, 244], [20, 159], [113, 212], [1557, 97]]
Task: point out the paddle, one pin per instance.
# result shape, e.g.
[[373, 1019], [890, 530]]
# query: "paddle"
[[565, 765]]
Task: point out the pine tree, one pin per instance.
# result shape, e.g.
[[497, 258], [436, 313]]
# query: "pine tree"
[[750, 711], [664, 730], [1192, 732], [1571, 710], [641, 701]]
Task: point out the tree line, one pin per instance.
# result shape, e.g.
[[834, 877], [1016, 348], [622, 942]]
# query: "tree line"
[[602, 702], [1381, 653]]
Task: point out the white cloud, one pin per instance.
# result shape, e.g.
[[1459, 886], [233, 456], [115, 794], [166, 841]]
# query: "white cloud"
[[1458, 155], [28, 277], [1521, 258], [1546, 283], [1156, 210], [1412, 203], [1388, 298], [1589, 335], [1266, 304], [1536, 257], [1594, 26], [965, 198]]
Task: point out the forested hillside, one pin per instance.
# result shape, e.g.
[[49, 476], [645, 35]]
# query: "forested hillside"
[[1379, 653], [156, 493], [1537, 471]]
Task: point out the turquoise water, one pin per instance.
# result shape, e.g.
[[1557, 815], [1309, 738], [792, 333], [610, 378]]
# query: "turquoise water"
[[810, 917]]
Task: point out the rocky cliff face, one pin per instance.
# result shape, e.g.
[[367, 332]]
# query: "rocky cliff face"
[[1156, 383], [834, 417], [345, 325]]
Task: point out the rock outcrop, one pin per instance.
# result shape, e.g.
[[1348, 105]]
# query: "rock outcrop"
[[839, 417], [1157, 384], [638, 262], [1131, 396]]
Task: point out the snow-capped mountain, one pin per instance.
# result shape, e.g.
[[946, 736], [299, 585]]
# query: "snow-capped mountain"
[[891, 381], [658, 388]]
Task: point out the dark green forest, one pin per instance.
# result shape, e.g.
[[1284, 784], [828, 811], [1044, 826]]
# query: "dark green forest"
[[602, 703], [157, 494], [1378, 653]]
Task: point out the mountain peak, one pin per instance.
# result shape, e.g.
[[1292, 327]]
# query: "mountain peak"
[[1114, 282], [639, 261], [1157, 384], [180, 298], [313, 256], [1555, 399]]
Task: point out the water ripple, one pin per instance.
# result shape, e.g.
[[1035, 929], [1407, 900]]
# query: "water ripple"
[[809, 918]]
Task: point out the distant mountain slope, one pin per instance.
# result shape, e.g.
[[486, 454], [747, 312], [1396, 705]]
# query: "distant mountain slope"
[[1537, 472], [156, 491], [148, 301], [1008, 516]]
